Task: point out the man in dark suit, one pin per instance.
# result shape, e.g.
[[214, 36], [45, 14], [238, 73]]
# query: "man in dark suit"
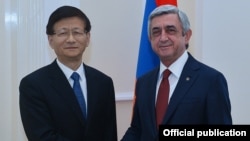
[[198, 94], [49, 108]]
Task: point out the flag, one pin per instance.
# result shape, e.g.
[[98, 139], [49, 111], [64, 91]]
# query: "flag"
[[147, 59]]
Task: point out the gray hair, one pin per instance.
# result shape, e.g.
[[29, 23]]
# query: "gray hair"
[[169, 9]]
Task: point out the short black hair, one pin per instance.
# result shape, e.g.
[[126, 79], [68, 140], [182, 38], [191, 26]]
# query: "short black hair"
[[66, 12]]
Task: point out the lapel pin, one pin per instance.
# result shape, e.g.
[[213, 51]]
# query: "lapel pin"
[[187, 78]]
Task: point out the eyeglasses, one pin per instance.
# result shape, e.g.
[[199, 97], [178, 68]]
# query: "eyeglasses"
[[65, 33]]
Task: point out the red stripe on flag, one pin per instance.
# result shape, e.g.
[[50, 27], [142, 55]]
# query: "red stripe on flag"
[[162, 2]]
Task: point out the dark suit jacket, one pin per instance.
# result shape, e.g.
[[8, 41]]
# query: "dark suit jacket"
[[200, 97], [50, 112]]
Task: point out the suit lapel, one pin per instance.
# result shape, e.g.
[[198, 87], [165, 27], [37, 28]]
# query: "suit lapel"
[[150, 99], [187, 78], [92, 99], [63, 88]]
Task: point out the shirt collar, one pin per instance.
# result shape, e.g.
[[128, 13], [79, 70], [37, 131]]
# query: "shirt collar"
[[176, 67], [68, 72]]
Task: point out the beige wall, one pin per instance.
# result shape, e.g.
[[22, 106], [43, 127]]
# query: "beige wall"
[[124, 111]]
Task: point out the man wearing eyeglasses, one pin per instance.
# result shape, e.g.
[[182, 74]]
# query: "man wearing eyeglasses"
[[68, 100]]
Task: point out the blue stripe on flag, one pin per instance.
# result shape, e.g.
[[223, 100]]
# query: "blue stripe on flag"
[[147, 59]]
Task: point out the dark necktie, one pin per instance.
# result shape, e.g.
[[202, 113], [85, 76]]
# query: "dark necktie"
[[162, 98], [79, 94]]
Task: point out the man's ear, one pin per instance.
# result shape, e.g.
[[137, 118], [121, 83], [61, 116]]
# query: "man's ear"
[[50, 40], [188, 35]]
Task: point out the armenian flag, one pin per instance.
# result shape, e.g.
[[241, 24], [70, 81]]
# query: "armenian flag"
[[147, 59]]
